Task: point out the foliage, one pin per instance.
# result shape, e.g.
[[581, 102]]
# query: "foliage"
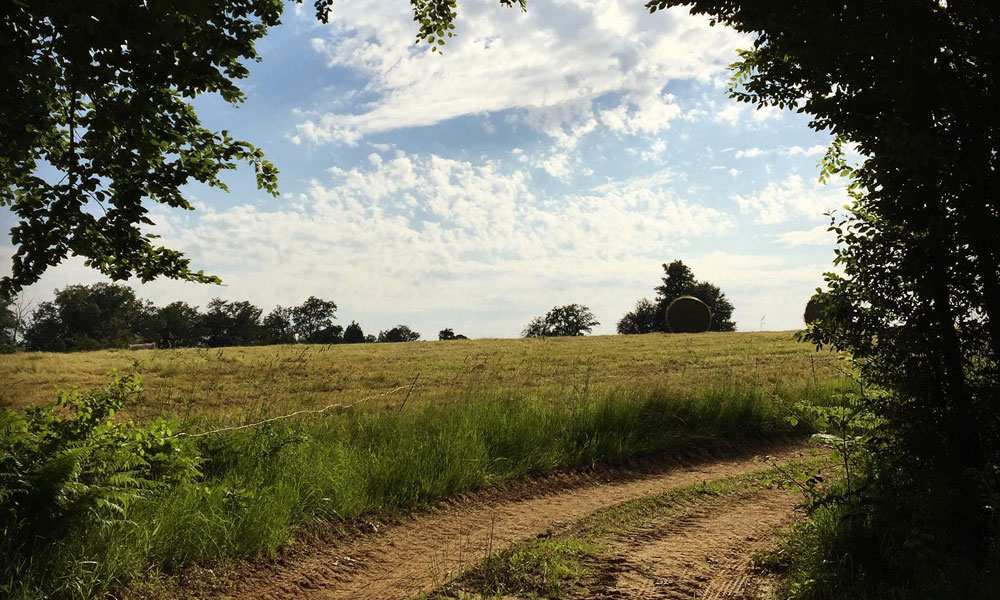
[[176, 325], [231, 323], [8, 326], [449, 334], [678, 280], [70, 468], [97, 122], [399, 333], [277, 326], [646, 317], [86, 317], [354, 334], [313, 321], [569, 320], [916, 296]]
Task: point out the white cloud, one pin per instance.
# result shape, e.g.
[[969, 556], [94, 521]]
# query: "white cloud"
[[780, 201], [504, 59], [408, 238], [817, 236], [750, 153]]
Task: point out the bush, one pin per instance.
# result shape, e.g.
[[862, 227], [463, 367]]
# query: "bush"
[[70, 467]]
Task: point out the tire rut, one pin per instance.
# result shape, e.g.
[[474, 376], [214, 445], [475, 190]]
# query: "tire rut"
[[702, 553], [434, 547]]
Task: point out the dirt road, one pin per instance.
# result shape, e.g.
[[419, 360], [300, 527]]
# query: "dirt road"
[[434, 547]]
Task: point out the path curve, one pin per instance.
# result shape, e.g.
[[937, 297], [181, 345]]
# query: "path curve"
[[432, 548]]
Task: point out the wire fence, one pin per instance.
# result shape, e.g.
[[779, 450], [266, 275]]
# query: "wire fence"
[[305, 411]]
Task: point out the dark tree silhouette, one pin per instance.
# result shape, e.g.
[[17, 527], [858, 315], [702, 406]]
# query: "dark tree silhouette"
[[399, 333], [562, 321], [354, 334], [678, 280]]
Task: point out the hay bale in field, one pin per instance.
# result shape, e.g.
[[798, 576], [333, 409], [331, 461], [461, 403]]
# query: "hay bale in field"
[[814, 309], [687, 314]]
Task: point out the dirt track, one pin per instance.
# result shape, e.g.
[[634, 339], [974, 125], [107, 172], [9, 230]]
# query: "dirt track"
[[704, 552], [432, 548]]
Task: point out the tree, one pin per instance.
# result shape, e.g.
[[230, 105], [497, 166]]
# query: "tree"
[[449, 334], [8, 327], [678, 281], [354, 334], [916, 299], [312, 318], [646, 317], [86, 317], [232, 323], [277, 326], [399, 333], [97, 125], [178, 325], [568, 320]]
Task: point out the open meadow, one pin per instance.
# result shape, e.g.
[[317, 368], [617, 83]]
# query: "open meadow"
[[234, 381], [120, 506]]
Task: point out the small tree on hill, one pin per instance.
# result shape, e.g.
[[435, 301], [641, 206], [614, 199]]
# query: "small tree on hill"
[[678, 280], [354, 334], [562, 321], [399, 333], [449, 334]]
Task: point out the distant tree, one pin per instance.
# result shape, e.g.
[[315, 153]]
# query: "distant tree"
[[86, 317], [333, 334], [678, 280], [354, 334], [370, 339], [179, 325], [313, 317], [399, 333], [562, 321], [232, 323], [449, 334], [646, 317], [277, 326]]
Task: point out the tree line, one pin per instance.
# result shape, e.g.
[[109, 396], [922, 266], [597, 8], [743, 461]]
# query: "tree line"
[[107, 315]]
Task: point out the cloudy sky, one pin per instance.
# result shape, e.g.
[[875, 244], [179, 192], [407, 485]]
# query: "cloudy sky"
[[555, 156]]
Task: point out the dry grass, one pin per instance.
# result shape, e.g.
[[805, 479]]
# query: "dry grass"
[[229, 381]]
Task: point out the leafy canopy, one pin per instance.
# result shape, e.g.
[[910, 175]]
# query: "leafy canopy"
[[97, 125], [568, 320], [678, 280]]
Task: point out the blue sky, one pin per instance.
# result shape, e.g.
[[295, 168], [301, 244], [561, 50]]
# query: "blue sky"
[[554, 156]]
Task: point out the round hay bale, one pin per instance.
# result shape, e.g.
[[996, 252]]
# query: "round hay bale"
[[687, 314], [814, 309]]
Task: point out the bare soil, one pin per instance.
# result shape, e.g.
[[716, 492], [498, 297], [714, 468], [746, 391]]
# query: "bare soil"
[[701, 554], [704, 552]]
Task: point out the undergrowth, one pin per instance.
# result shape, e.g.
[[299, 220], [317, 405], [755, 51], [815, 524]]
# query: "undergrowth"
[[129, 502]]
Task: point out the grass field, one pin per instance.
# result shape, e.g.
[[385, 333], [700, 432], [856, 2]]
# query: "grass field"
[[485, 412], [200, 381]]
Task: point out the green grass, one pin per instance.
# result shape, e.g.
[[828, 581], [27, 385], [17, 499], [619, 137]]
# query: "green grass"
[[262, 486]]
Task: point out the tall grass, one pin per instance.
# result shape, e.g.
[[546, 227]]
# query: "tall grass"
[[260, 487]]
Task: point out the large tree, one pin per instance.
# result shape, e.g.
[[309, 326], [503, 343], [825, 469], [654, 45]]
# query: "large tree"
[[97, 124], [914, 87], [86, 317], [313, 321], [235, 323], [678, 280]]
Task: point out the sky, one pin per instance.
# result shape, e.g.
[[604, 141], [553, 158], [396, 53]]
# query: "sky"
[[545, 158]]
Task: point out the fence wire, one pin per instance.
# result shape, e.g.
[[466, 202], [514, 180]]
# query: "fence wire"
[[304, 411]]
